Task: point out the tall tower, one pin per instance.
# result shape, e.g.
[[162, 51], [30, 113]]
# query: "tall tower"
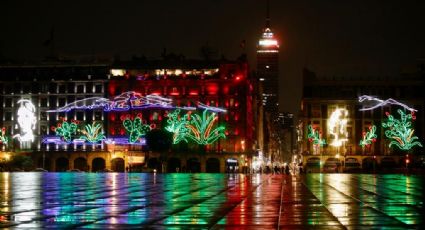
[[268, 91], [268, 66]]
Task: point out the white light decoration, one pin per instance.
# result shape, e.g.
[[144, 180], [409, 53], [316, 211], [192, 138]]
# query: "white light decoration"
[[382, 103], [26, 120], [337, 126]]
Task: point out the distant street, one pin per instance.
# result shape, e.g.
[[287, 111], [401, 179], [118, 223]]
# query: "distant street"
[[210, 201]]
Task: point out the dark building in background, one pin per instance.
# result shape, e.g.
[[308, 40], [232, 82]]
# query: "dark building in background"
[[267, 73], [324, 97]]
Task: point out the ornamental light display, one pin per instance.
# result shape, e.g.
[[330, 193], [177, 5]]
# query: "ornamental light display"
[[380, 103], [337, 126], [369, 137], [177, 126], [135, 128], [314, 136], [66, 129], [400, 132], [201, 128], [92, 133], [26, 121], [3, 138]]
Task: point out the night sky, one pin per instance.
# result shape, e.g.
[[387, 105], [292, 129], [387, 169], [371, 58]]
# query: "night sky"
[[330, 37]]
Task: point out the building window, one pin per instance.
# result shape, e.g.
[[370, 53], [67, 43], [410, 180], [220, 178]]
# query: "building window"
[[80, 88], [61, 88], [8, 116], [62, 102], [80, 116], [98, 115], [98, 88], [43, 102], [8, 102]]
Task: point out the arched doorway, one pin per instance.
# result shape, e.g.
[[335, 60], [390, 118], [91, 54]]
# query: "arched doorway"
[[98, 164], [193, 165], [47, 163], [173, 164], [81, 164], [153, 163], [312, 165], [118, 164], [388, 162], [332, 165], [352, 165], [213, 165], [232, 165], [369, 164], [62, 164]]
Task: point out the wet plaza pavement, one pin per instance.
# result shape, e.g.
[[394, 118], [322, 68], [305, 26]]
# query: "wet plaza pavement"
[[210, 201]]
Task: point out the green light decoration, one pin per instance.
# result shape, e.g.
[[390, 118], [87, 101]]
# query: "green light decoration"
[[369, 137], [93, 133], [3, 138], [135, 128], [315, 136], [201, 128], [177, 126], [400, 131], [66, 129]]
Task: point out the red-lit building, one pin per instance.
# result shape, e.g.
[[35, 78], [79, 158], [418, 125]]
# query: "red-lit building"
[[223, 84]]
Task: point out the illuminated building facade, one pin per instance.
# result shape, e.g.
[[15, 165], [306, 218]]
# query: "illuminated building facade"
[[348, 124], [29, 91], [222, 85], [92, 117]]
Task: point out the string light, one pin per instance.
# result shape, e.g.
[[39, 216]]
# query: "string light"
[[369, 137], [382, 103], [400, 131], [337, 126]]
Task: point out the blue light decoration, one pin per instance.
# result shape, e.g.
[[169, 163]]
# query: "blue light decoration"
[[366, 98], [126, 101], [135, 127]]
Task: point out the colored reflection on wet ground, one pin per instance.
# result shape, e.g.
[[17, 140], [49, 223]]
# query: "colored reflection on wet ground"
[[210, 201]]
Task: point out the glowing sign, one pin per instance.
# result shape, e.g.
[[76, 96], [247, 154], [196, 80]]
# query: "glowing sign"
[[177, 126], [337, 126], [135, 128], [200, 128], [194, 127], [26, 120], [66, 129], [92, 133], [3, 138], [314, 136], [267, 42], [126, 101], [369, 137], [400, 131], [382, 103]]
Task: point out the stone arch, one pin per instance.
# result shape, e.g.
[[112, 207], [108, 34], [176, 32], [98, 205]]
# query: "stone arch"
[[193, 165], [172, 164], [369, 164], [213, 165], [388, 163], [80, 163], [98, 164], [62, 164], [118, 164]]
